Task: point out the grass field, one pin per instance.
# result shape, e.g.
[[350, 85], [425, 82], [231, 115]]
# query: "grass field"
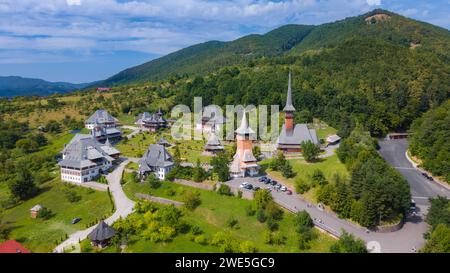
[[41, 235], [329, 166], [323, 130], [190, 150], [126, 119], [211, 217]]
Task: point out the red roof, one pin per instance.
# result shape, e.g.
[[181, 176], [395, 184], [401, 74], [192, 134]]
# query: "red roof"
[[12, 246]]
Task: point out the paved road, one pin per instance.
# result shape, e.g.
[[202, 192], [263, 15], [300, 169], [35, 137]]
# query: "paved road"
[[393, 151], [123, 205], [330, 150], [401, 241]]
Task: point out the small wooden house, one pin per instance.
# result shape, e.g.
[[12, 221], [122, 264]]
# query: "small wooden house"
[[34, 211]]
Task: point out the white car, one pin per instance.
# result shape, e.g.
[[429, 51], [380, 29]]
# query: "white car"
[[283, 188], [243, 185]]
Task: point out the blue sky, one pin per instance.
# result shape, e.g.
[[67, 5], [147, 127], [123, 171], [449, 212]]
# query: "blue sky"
[[87, 40]]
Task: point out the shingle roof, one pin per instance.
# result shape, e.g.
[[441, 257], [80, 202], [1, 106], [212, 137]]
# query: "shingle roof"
[[244, 129], [84, 148], [163, 141], [101, 116], [300, 134], [36, 208], [155, 156], [248, 156], [147, 117], [106, 132], [213, 143], [102, 232], [333, 138], [289, 107]]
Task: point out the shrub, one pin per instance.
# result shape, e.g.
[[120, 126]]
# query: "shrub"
[[72, 196], [324, 193], [231, 222], [45, 213], [286, 170], [347, 243], [153, 181], [267, 237], [318, 178], [303, 241], [224, 190], [261, 216], [310, 151], [273, 211], [196, 230], [102, 179], [249, 211], [170, 192], [201, 239], [271, 224], [303, 220], [247, 247], [278, 238], [191, 199], [301, 186]]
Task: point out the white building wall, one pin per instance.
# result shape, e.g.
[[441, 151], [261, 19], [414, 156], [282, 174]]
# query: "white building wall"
[[83, 176]]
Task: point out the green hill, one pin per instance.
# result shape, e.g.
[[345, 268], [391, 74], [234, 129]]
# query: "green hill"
[[212, 55], [380, 24], [291, 39], [17, 86]]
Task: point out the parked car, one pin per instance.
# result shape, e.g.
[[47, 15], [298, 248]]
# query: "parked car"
[[243, 185], [289, 192], [262, 179], [427, 176], [412, 205], [269, 188], [249, 186], [283, 188], [268, 181], [273, 182], [75, 220]]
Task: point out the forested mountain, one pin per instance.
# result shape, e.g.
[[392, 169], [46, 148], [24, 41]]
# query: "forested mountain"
[[379, 24], [292, 39], [382, 85], [212, 55], [17, 86]]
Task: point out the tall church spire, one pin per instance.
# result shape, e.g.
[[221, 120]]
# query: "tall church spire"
[[289, 107], [244, 129]]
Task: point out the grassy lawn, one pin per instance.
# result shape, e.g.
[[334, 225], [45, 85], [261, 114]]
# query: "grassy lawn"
[[190, 150], [125, 119], [329, 166], [40, 235], [211, 217], [323, 130], [132, 166]]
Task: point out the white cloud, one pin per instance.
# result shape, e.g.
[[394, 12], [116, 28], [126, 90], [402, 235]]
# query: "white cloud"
[[153, 26], [73, 2], [374, 2]]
